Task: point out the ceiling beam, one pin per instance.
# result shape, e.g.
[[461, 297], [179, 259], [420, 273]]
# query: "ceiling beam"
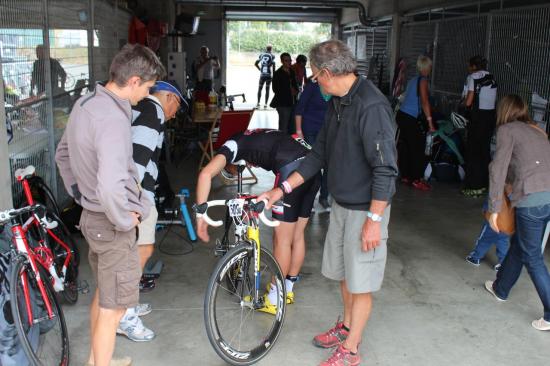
[[333, 4]]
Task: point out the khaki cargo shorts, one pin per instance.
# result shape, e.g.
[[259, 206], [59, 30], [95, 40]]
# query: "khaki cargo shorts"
[[343, 257], [114, 259]]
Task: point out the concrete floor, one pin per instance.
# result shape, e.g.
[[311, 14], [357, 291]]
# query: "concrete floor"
[[432, 309]]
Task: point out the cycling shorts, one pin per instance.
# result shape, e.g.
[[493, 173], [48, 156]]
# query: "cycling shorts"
[[300, 201]]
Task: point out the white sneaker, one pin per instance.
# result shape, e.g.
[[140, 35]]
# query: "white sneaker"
[[540, 324], [133, 328], [143, 309], [489, 287]]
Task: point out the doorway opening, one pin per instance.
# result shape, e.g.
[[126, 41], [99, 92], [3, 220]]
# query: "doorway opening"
[[246, 40]]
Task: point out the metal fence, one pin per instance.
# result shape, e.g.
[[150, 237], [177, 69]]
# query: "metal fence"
[[519, 52], [46, 53], [516, 43]]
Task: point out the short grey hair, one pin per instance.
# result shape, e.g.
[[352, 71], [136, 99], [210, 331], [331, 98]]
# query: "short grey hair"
[[135, 60], [423, 63], [333, 55]]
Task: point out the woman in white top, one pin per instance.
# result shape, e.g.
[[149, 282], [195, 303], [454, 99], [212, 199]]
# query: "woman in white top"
[[480, 94]]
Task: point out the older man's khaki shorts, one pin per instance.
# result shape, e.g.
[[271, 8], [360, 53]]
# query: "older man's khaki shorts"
[[343, 257], [114, 260]]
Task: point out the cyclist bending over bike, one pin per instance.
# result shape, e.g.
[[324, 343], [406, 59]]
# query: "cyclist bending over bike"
[[280, 153]]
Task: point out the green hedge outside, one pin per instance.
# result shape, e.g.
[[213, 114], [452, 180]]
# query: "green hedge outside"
[[256, 40]]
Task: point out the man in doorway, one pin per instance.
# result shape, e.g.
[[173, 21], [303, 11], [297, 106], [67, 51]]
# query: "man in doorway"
[[38, 76], [266, 65], [205, 67], [359, 129], [95, 161], [300, 71], [285, 89], [148, 127]]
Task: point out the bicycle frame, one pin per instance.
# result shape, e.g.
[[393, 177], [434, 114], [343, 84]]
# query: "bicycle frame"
[[46, 257], [21, 245]]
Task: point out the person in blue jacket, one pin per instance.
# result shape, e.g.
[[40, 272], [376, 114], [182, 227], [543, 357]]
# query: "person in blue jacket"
[[310, 116]]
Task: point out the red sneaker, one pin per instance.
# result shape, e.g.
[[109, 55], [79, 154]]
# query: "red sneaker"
[[342, 357], [332, 337], [421, 185]]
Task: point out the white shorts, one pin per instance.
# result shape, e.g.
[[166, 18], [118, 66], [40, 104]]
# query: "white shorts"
[[147, 228]]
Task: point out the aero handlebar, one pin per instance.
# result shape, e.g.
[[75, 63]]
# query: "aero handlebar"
[[257, 207]]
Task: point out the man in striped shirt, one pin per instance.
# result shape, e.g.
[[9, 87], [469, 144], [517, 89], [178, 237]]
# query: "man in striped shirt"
[[148, 118]]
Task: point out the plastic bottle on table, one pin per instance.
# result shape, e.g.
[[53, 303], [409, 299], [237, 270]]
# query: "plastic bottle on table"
[[212, 99]]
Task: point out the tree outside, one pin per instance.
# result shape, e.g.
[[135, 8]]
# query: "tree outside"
[[246, 40]]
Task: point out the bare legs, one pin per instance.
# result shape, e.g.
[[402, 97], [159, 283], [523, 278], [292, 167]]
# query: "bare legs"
[[357, 309], [289, 247], [145, 252], [103, 325]]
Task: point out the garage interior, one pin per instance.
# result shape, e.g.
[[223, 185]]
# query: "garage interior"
[[433, 309]]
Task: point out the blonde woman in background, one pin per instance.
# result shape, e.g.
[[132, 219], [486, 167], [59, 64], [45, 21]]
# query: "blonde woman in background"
[[412, 134]]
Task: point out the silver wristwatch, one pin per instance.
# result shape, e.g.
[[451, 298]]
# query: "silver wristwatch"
[[374, 217]]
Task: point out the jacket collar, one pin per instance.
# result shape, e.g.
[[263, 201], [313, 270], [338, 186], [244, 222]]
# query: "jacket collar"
[[346, 99], [123, 104]]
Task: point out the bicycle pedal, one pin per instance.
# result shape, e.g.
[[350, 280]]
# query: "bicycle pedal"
[[83, 287]]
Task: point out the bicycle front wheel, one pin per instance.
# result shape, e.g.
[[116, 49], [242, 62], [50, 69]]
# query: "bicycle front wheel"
[[44, 338], [238, 331]]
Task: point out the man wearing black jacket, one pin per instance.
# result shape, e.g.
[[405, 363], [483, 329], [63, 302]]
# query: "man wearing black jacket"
[[357, 145], [285, 89]]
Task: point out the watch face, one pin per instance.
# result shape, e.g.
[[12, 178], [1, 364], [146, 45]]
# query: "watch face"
[[374, 217]]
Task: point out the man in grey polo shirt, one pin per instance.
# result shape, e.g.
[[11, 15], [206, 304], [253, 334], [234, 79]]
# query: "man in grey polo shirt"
[[357, 145], [95, 161]]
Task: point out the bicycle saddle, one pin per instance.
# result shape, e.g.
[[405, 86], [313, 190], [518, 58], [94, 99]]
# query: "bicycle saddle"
[[240, 163], [23, 173]]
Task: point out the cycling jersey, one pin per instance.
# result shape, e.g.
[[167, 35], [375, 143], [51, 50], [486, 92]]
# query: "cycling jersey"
[[267, 60], [484, 86], [268, 149], [276, 151]]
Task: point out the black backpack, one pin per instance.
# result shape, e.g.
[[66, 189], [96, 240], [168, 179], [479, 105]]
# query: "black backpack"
[[488, 81]]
